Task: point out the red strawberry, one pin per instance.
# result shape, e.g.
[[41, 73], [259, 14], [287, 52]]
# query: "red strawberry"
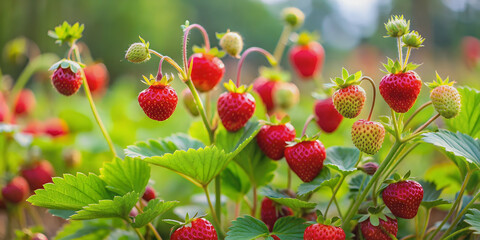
[[271, 212], [159, 100], [471, 51], [34, 128], [56, 127], [196, 229], [327, 117], [4, 111], [25, 102], [37, 174], [307, 57], [97, 77], [235, 107], [67, 77], [149, 194], [306, 158], [264, 87], [272, 139], [403, 198], [371, 232], [16, 190], [39, 236], [400, 90], [319, 231], [207, 70], [368, 136]]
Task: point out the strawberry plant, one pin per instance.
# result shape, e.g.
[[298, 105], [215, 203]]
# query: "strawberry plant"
[[234, 151]]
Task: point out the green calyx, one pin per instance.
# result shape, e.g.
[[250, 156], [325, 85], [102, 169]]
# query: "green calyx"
[[65, 63], [397, 178], [213, 52], [273, 121], [347, 79], [293, 17], [439, 82], [335, 221], [375, 214], [153, 81], [395, 67], [66, 33], [231, 42], [273, 74], [304, 38], [304, 138], [138, 52], [397, 26], [231, 87], [177, 224], [412, 39]]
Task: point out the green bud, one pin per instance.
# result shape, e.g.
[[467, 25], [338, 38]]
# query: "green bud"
[[286, 95], [397, 26], [413, 39], [293, 17], [232, 43], [189, 102], [138, 52]]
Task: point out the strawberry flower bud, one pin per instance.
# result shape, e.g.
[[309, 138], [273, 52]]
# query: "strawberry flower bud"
[[138, 52], [412, 39], [369, 168], [294, 17], [286, 95], [397, 26], [189, 102], [232, 43]]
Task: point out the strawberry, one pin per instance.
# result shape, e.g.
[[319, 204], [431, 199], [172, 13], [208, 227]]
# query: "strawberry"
[[270, 212], [369, 168], [56, 127], [400, 90], [231, 42], [25, 102], [4, 111], [72, 157], [368, 136], [138, 52], [149, 194], [39, 236], [195, 229], [235, 107], [16, 190], [319, 231], [37, 174], [305, 158], [35, 128], [189, 102], [371, 232], [97, 77], [348, 98], [471, 51], [286, 95], [307, 56], [133, 212], [207, 69], [292, 16], [403, 197], [159, 100], [267, 82], [273, 138], [67, 77], [445, 98], [327, 117]]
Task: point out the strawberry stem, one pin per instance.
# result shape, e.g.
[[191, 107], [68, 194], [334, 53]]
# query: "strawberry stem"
[[426, 124], [150, 225], [171, 62], [408, 56], [269, 56], [159, 73], [214, 215], [282, 42], [416, 112], [400, 53], [309, 119], [374, 94], [185, 40], [462, 213]]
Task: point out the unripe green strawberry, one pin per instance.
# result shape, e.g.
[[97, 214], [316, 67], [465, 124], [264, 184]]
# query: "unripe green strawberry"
[[189, 102], [138, 52], [294, 17], [397, 26], [368, 136], [445, 98], [286, 95], [231, 42], [349, 98]]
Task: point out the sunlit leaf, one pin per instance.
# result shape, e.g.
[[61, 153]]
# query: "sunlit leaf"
[[247, 228], [155, 208], [468, 120], [123, 176], [155, 148], [431, 196], [235, 182], [342, 159], [286, 200], [289, 228], [324, 179], [259, 168], [119, 207]]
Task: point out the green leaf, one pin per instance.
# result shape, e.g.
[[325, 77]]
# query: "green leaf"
[[155, 208], [71, 192], [247, 228], [235, 182], [431, 195], [120, 234], [459, 144], [85, 230], [473, 218], [153, 148], [286, 200], [324, 179], [468, 120], [198, 131], [123, 176], [65, 214], [358, 183], [234, 142], [342, 159], [199, 166], [119, 207], [259, 168], [290, 227]]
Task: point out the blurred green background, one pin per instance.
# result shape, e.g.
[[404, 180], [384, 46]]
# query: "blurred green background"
[[351, 33]]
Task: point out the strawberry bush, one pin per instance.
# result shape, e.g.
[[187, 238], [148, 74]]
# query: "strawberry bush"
[[232, 154]]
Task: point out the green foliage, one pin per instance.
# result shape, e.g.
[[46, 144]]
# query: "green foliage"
[[342, 159], [119, 207], [66, 33], [468, 120], [324, 179], [89, 229], [155, 208], [154, 148], [284, 199], [234, 142], [395, 67], [473, 218], [247, 228], [235, 182], [123, 176], [289, 228], [431, 196]]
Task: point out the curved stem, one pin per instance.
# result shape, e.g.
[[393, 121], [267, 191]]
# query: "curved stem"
[[427, 219], [159, 73], [309, 119], [426, 124], [150, 225], [400, 53], [214, 215], [419, 109], [338, 207], [406, 57], [374, 94], [333, 195], [254, 205], [408, 237], [395, 125], [201, 109], [139, 234], [248, 51], [185, 40], [282, 42], [397, 162], [171, 62], [456, 233], [88, 94]]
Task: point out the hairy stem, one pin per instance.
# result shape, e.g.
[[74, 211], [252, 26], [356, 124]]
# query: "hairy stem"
[[334, 192], [408, 56], [370, 80], [171, 62], [214, 215], [248, 51], [185, 40], [400, 53], [395, 125], [282, 42], [424, 230], [309, 119], [419, 109], [426, 124], [338, 207]]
